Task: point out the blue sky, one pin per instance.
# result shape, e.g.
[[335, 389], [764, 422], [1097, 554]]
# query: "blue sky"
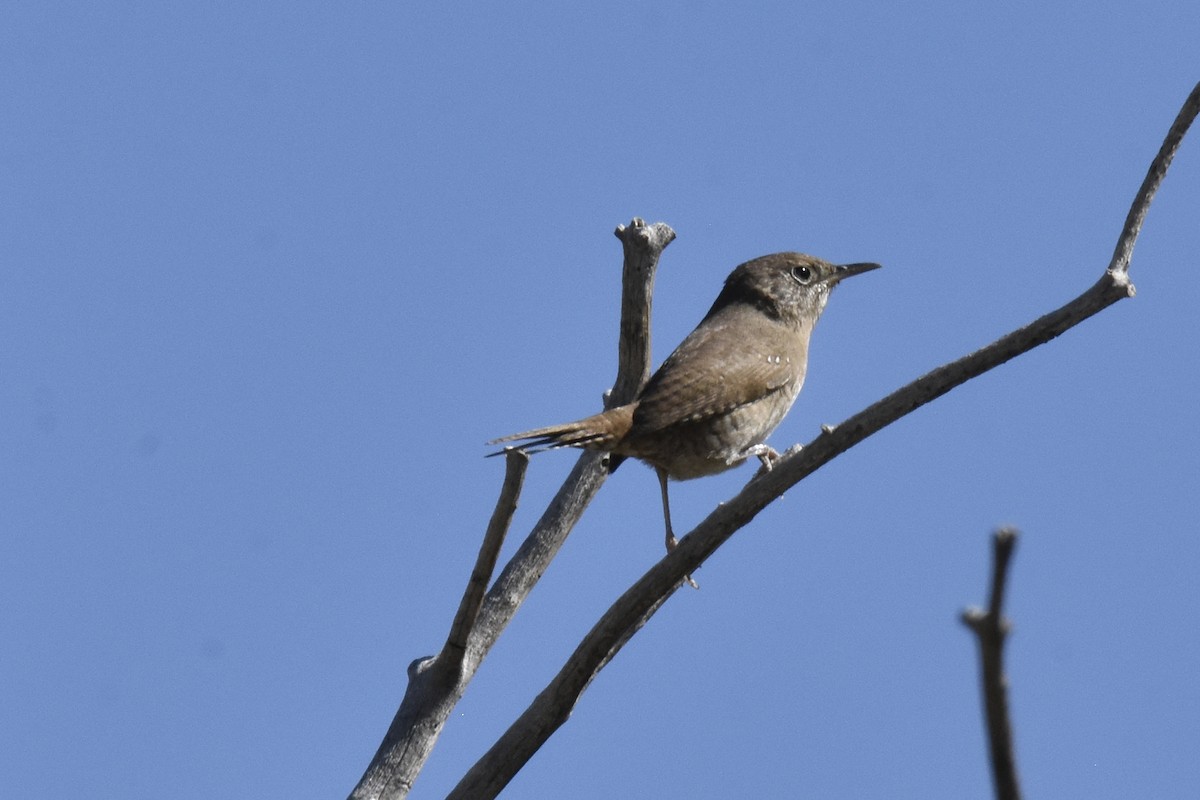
[[270, 275]]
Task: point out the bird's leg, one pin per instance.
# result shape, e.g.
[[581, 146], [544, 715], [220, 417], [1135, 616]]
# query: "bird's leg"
[[672, 542], [666, 504]]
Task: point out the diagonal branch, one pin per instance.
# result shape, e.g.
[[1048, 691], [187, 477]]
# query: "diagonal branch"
[[551, 708], [1123, 253], [435, 684], [516, 462]]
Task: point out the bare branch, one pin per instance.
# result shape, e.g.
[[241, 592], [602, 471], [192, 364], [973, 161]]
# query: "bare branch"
[[553, 705], [643, 244], [516, 462], [1154, 177], [437, 683], [991, 629]]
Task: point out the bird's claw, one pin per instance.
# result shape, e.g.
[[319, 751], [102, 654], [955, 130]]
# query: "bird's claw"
[[672, 543], [767, 456]]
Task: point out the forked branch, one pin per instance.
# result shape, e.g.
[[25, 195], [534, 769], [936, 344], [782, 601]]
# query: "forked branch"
[[436, 683]]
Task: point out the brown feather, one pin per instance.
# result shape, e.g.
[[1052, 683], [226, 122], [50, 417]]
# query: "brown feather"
[[598, 432], [712, 372]]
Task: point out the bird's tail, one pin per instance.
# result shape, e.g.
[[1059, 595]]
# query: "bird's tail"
[[598, 432]]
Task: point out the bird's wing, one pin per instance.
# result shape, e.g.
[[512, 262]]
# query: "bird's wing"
[[715, 370]]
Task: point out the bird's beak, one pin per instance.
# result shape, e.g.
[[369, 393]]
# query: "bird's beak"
[[846, 270]]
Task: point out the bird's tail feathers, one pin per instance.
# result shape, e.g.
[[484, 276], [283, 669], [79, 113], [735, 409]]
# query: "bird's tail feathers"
[[597, 432]]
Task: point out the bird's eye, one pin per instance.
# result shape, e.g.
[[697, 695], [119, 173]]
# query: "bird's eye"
[[802, 274]]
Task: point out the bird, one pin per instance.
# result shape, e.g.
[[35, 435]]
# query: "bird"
[[714, 401]]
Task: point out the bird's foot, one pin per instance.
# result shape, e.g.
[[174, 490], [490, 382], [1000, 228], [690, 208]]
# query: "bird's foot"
[[672, 543], [766, 455]]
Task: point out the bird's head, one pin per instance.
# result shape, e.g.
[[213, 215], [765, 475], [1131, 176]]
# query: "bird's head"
[[790, 287]]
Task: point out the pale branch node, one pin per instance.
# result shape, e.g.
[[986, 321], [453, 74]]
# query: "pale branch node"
[[991, 630], [553, 705], [436, 684]]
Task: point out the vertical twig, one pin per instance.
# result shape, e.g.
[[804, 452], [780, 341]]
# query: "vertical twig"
[[991, 629], [643, 244]]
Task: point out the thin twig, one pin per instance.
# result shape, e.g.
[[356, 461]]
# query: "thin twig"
[[435, 684], [991, 629], [455, 649], [1123, 253], [553, 705]]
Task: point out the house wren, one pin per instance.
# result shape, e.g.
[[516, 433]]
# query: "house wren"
[[715, 400]]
